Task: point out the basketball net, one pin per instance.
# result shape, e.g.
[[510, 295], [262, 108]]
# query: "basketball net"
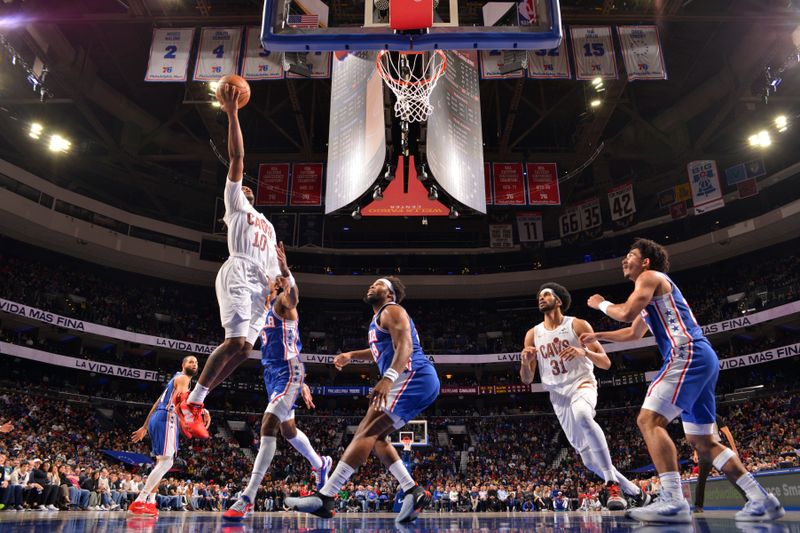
[[406, 444], [412, 77]]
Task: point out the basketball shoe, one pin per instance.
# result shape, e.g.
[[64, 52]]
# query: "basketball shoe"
[[190, 417], [239, 510], [317, 504], [414, 502], [143, 509], [761, 511], [321, 473], [670, 510]]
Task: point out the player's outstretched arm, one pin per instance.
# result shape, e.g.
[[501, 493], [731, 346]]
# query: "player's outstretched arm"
[[591, 350], [139, 434], [344, 358], [527, 360], [633, 332], [290, 296], [643, 292], [229, 95]]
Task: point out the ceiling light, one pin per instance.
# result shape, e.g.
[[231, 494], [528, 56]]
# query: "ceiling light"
[[215, 104], [764, 138], [595, 103], [36, 130], [356, 214], [59, 144], [597, 81], [782, 123]]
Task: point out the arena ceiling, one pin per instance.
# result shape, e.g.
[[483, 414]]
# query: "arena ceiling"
[[145, 146]]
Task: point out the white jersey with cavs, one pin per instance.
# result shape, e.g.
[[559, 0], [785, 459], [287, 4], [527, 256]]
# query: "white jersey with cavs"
[[567, 381], [242, 284], [558, 376]]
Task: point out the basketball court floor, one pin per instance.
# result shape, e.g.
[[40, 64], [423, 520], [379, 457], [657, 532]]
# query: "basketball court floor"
[[202, 522]]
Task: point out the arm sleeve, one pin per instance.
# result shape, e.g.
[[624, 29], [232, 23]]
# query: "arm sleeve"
[[234, 199]]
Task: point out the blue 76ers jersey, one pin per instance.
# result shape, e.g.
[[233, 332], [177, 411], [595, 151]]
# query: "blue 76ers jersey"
[[164, 401], [280, 340], [671, 321], [380, 344]]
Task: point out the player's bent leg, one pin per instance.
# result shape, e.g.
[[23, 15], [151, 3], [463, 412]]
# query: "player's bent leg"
[[320, 465], [761, 505]]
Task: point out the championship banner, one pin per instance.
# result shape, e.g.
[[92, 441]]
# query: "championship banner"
[[318, 65], [641, 52], [501, 236], [306, 184], [169, 54], [218, 53], [569, 223], [543, 184], [593, 52], [552, 64], [529, 227], [74, 363], [591, 216], [487, 180], [706, 192], [509, 184], [273, 184], [621, 201], [492, 61], [260, 64]]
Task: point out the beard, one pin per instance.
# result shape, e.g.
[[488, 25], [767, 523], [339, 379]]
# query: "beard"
[[547, 308], [190, 372], [372, 300]]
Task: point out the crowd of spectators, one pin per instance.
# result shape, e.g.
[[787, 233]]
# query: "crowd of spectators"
[[137, 303], [52, 458]]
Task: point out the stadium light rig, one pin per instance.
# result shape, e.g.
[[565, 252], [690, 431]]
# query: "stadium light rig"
[[36, 130], [760, 139], [782, 123], [59, 144]]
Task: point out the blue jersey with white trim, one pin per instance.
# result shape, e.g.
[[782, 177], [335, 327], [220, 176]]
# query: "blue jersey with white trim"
[[280, 340], [164, 402], [671, 320], [380, 344]]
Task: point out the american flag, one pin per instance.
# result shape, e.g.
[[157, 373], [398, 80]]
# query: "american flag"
[[303, 21]]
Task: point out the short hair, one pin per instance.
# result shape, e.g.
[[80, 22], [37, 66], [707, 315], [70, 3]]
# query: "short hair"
[[183, 361], [560, 291], [657, 254], [399, 288]]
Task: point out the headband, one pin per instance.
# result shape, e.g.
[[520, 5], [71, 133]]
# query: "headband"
[[387, 283], [551, 291]]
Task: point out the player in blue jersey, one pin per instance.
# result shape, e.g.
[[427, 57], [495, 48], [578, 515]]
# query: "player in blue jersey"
[[683, 387], [162, 426], [408, 385], [284, 376]]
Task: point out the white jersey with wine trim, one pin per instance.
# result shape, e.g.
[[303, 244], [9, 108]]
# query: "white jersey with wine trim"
[[558, 376]]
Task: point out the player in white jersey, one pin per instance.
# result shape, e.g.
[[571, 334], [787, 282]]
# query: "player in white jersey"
[[242, 284], [566, 367]]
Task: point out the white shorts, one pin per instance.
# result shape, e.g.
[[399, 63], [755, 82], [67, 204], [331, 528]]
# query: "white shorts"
[[562, 405], [242, 291], [283, 387]]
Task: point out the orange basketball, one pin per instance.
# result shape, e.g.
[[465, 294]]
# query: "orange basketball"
[[240, 83]]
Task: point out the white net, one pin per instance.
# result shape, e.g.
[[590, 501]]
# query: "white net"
[[412, 76]]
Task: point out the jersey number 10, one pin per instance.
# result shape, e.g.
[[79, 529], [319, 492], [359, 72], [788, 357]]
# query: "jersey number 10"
[[260, 240]]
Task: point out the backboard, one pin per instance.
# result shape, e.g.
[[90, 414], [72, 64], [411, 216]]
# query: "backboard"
[[416, 429], [332, 25]]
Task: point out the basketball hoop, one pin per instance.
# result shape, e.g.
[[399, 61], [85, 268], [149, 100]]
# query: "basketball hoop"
[[412, 76], [406, 441]]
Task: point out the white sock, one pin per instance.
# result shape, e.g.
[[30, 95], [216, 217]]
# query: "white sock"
[[301, 443], [671, 486], [628, 487], [151, 498], [400, 473], [198, 394], [155, 475], [142, 497], [755, 492], [266, 451], [337, 479]]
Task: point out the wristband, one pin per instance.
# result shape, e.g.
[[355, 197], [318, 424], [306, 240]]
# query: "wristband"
[[604, 305], [391, 375], [292, 283]]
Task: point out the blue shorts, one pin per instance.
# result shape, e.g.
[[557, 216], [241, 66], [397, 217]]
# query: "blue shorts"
[[685, 386], [284, 384], [163, 430], [413, 392]]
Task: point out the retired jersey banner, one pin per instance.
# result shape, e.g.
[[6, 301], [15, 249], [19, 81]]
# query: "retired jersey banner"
[[509, 184], [169, 54], [306, 184], [621, 201], [593, 52], [552, 64], [569, 223], [706, 192], [273, 184], [218, 53], [529, 227], [501, 236], [543, 184], [318, 65], [487, 180], [641, 52], [492, 62], [591, 216], [260, 64]]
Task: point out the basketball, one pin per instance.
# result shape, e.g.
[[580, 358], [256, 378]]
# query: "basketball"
[[240, 83]]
